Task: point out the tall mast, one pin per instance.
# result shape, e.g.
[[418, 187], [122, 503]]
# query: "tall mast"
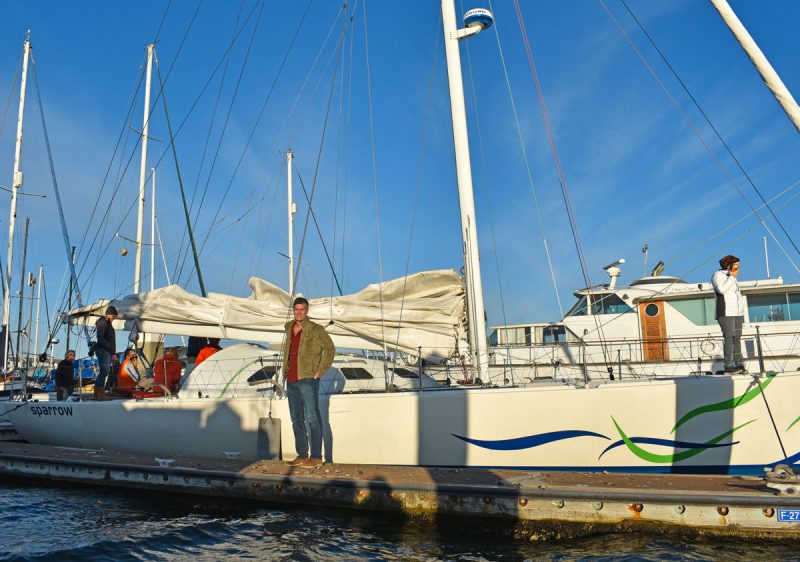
[[16, 183], [143, 172], [768, 74], [290, 211], [38, 308], [31, 283], [22, 292], [469, 227], [153, 231]]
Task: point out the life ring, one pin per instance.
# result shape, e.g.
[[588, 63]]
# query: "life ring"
[[709, 347]]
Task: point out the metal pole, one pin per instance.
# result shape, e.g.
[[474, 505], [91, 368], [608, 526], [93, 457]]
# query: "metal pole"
[[469, 231], [16, 183], [71, 283], [38, 307], [764, 68], [766, 255], [142, 173], [31, 283], [291, 209], [21, 291], [153, 232]]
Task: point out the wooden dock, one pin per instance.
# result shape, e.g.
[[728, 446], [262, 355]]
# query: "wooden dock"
[[529, 505]]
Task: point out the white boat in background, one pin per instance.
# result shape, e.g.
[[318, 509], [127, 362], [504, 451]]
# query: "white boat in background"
[[229, 405], [657, 326]]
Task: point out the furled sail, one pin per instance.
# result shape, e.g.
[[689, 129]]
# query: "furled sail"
[[421, 311]]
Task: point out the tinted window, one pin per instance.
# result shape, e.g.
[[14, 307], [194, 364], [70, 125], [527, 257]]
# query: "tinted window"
[[609, 304], [768, 308], [355, 373], [261, 376], [405, 373], [794, 306], [699, 311], [554, 334], [579, 308]]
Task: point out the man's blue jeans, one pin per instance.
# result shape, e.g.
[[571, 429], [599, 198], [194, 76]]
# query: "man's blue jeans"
[[104, 359], [304, 408]]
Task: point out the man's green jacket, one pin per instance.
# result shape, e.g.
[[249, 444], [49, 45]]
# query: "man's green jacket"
[[316, 350]]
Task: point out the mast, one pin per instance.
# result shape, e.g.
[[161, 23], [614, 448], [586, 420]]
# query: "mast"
[[38, 308], [71, 288], [142, 173], [31, 284], [22, 291], [153, 231], [290, 211], [469, 228], [16, 183], [768, 74]]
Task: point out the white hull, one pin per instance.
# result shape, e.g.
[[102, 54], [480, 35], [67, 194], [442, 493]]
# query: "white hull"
[[539, 426]]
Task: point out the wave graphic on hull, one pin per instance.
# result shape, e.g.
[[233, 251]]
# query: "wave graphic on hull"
[[530, 441], [666, 443]]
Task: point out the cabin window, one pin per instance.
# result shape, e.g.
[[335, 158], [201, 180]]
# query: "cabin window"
[[794, 306], [579, 308], [356, 374], [554, 334], [768, 308], [493, 338], [405, 373], [699, 312], [609, 304], [263, 375], [514, 336]]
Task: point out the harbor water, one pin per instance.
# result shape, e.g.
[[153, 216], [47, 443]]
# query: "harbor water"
[[51, 522]]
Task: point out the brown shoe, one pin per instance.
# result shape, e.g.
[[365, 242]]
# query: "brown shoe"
[[311, 462], [299, 461]]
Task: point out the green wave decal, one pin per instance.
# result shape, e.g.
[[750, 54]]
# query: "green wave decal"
[[673, 457], [791, 425], [730, 404]]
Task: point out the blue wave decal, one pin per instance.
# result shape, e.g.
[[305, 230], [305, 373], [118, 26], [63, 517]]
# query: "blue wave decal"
[[666, 443], [530, 441]]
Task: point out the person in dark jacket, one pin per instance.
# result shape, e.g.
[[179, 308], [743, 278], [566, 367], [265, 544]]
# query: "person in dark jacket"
[[65, 377], [106, 345], [113, 375]]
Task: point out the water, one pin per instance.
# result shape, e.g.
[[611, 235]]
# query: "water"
[[43, 522]]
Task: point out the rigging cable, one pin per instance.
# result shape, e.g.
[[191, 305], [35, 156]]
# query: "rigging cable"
[[149, 116], [374, 179], [180, 181], [319, 232], [11, 91], [559, 170], [62, 219], [524, 158], [256, 123], [697, 134]]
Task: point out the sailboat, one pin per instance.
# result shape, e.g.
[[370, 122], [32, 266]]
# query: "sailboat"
[[658, 424]]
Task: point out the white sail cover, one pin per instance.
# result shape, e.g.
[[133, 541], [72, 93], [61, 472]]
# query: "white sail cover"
[[423, 311]]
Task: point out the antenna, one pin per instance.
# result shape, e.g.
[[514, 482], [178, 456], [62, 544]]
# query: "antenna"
[[644, 251]]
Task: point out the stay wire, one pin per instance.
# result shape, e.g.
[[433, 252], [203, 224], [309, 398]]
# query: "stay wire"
[[228, 115], [106, 215], [319, 231], [710, 124], [559, 170], [525, 159], [11, 92], [696, 132], [319, 158], [179, 128], [374, 176]]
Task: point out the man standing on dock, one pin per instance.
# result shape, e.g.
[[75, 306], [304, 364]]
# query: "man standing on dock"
[[106, 345], [307, 354], [730, 311]]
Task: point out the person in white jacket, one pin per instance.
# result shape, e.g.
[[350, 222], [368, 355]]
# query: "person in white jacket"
[[730, 311]]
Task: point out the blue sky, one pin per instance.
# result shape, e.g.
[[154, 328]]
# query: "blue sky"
[[635, 171]]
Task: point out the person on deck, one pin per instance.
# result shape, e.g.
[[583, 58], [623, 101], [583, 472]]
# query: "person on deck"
[[307, 354], [65, 377], [167, 371], [209, 350], [113, 375], [106, 345], [730, 311], [129, 374]]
